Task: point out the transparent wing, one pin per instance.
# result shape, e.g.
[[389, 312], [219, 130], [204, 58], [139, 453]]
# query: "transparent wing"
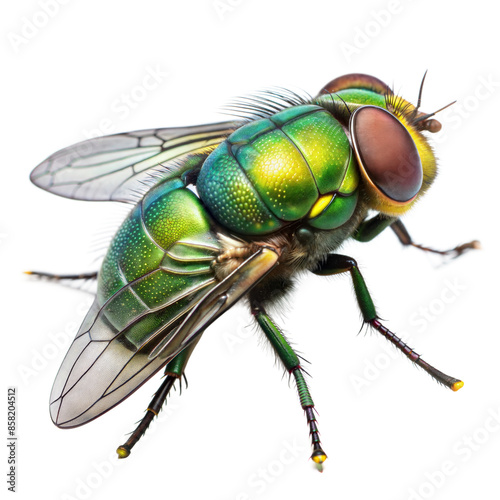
[[104, 366], [113, 167]]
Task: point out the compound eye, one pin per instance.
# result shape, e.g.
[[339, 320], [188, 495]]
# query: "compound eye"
[[356, 81], [386, 153]]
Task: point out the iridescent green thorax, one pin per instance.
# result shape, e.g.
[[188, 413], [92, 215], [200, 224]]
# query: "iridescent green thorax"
[[281, 169]]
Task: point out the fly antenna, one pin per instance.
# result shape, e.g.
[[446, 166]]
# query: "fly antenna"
[[425, 117], [423, 122], [419, 99]]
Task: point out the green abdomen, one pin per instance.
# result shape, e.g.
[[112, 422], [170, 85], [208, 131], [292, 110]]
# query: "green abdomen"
[[158, 263], [296, 164]]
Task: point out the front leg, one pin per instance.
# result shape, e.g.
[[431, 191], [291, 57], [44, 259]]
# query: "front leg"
[[405, 239], [371, 228]]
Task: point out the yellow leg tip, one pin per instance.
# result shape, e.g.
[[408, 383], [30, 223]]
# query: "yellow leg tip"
[[457, 385], [122, 452], [318, 457]]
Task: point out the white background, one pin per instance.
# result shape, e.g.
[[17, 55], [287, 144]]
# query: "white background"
[[228, 437]]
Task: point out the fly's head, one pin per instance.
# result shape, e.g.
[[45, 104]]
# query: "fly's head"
[[395, 160]]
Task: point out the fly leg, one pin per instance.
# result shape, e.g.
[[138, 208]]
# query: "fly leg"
[[152, 411], [173, 372], [371, 228], [336, 264], [405, 239], [63, 277], [291, 361]]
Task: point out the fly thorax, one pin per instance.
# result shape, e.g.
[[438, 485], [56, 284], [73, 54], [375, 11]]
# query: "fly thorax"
[[296, 165]]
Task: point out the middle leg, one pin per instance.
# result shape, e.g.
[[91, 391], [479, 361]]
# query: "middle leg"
[[337, 264]]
